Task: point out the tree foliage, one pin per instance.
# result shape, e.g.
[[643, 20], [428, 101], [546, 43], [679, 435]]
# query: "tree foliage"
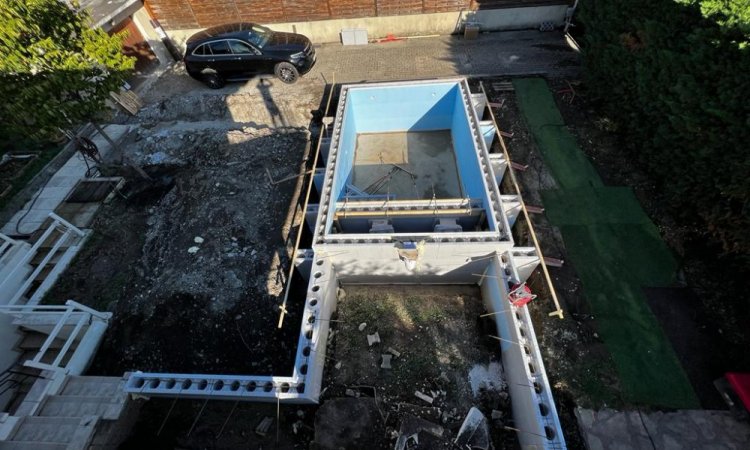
[[676, 81], [733, 15], [55, 70]]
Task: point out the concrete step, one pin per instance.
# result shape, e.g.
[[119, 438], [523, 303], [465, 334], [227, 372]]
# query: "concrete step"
[[34, 341], [10, 445], [39, 257], [75, 431], [47, 358], [36, 320], [108, 407], [44, 273], [11, 257], [71, 241], [93, 386]]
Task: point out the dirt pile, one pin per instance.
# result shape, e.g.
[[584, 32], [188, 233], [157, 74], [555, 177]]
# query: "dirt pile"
[[195, 268], [218, 232], [442, 361]]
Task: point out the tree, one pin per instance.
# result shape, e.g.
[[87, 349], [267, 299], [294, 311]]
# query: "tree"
[[55, 70], [672, 75]]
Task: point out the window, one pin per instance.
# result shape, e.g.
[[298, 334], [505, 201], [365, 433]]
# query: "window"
[[259, 36], [220, 48], [202, 50], [240, 48]]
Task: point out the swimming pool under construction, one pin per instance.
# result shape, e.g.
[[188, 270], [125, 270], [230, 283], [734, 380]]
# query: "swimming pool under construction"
[[404, 190]]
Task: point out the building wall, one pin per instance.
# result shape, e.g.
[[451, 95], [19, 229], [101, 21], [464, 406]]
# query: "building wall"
[[191, 14]]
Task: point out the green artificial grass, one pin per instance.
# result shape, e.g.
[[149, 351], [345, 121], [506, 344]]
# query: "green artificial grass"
[[590, 206], [568, 164], [616, 251]]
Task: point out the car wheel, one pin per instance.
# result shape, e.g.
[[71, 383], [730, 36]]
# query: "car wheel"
[[214, 80], [286, 72]]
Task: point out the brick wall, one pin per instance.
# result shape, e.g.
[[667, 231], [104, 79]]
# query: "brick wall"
[[185, 14]]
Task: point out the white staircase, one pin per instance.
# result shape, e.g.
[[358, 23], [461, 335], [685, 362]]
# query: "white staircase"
[[53, 406], [52, 433], [87, 413], [28, 270], [73, 333], [63, 409]]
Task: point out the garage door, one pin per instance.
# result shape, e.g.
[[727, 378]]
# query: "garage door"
[[135, 45]]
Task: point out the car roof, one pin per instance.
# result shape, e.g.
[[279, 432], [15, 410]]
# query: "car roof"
[[228, 29]]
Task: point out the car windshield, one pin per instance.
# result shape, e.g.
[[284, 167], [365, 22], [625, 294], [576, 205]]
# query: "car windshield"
[[259, 35]]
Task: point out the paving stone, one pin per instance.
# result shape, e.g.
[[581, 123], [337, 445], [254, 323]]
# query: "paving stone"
[[609, 429], [506, 53]]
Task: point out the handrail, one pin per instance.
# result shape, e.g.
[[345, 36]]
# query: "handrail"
[[84, 308], [53, 335], [28, 256], [66, 311], [19, 273], [69, 342], [7, 242], [39, 268]]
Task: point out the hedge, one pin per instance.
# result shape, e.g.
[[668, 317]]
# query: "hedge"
[[675, 77]]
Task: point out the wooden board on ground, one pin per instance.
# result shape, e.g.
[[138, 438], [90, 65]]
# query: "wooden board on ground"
[[128, 99]]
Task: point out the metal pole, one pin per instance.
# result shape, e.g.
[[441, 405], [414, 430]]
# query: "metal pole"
[[195, 422], [227, 419], [304, 208], [164, 422], [558, 312]]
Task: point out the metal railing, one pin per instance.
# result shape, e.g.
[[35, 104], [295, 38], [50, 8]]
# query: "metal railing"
[[84, 315], [5, 244], [12, 295]]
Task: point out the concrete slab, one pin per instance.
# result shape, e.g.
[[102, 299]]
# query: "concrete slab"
[[427, 157], [509, 53], [675, 430], [49, 197]]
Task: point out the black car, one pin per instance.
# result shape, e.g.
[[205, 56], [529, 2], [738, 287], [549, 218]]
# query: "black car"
[[241, 50]]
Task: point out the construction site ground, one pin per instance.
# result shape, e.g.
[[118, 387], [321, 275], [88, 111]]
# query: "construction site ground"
[[191, 263], [431, 340]]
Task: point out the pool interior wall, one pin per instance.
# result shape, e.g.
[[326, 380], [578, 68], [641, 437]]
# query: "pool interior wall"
[[408, 108]]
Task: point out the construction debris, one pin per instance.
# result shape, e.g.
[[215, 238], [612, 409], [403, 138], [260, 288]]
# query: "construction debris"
[[264, 426], [553, 262], [416, 432], [393, 352], [474, 432], [423, 397], [373, 339], [386, 363]]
